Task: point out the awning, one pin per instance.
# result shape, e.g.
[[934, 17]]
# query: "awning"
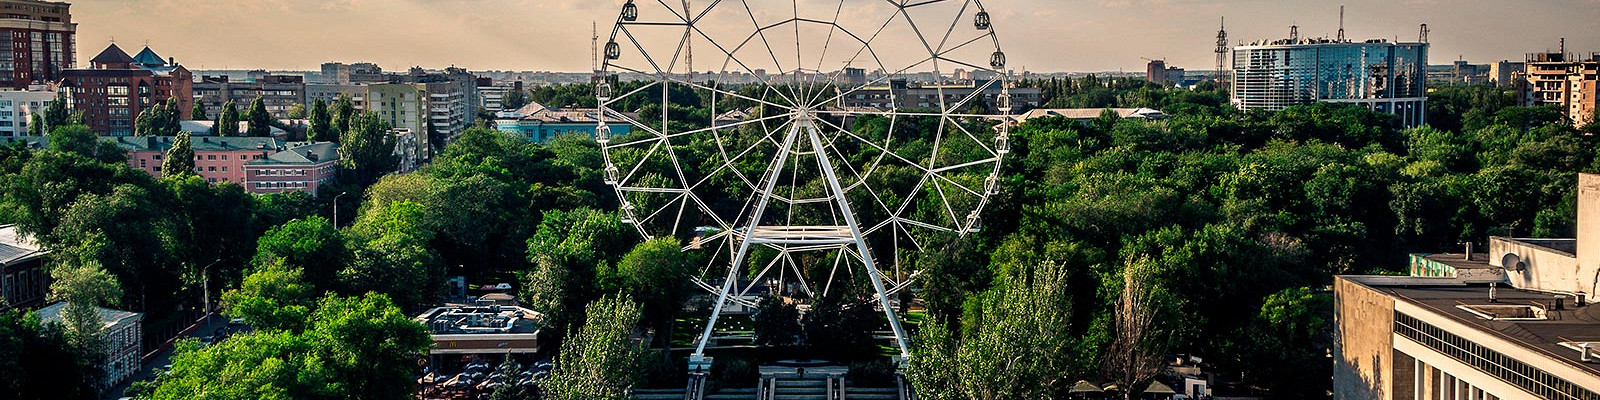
[[1157, 387], [1085, 387]]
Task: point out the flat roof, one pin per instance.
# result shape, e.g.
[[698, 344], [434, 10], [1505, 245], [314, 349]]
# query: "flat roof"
[[1442, 295], [1461, 261]]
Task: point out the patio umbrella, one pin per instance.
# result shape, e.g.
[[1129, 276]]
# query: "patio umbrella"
[[1085, 387], [1158, 388]]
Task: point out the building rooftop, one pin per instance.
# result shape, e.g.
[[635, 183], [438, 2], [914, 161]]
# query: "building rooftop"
[[1455, 300], [547, 114], [496, 329], [301, 153], [109, 316], [112, 55], [16, 247], [200, 143]]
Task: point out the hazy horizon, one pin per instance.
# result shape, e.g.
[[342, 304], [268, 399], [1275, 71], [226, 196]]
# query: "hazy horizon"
[[553, 35]]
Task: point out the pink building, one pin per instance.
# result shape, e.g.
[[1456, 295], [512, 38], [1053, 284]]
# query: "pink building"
[[301, 167], [260, 164]]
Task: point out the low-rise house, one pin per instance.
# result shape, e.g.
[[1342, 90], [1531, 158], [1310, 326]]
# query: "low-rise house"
[[540, 123], [260, 164], [123, 337], [23, 279]]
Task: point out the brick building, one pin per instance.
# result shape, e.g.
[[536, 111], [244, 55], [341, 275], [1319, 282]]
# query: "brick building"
[[300, 167], [118, 87], [23, 279], [42, 42]]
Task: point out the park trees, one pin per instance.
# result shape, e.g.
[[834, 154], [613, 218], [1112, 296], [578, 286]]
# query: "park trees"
[[228, 121], [601, 360], [260, 121], [319, 128]]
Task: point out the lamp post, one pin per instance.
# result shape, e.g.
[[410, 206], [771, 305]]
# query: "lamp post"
[[205, 286], [336, 209]]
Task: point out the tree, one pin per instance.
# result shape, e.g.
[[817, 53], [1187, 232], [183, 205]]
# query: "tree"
[[274, 297], [514, 99], [56, 114], [198, 113], [776, 323], [297, 111], [77, 139], [36, 125], [179, 160], [319, 129], [352, 347], [391, 255], [601, 360], [38, 362], [311, 243], [1138, 349], [84, 287], [260, 121], [343, 112], [840, 323], [366, 150], [228, 122], [1020, 345], [656, 274], [566, 252]]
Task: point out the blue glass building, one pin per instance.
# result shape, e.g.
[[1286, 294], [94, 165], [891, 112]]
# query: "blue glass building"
[[1377, 74]]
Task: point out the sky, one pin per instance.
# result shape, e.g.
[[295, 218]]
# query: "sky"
[[553, 35]]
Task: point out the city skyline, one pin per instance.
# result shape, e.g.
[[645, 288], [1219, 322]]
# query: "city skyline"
[[553, 35]]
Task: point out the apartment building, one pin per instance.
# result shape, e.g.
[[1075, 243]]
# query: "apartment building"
[[1564, 80], [17, 109], [42, 42], [118, 87], [278, 93]]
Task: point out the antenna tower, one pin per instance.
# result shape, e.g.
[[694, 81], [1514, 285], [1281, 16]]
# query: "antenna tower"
[[1341, 23], [1424, 36], [594, 48], [1294, 33], [1222, 51]]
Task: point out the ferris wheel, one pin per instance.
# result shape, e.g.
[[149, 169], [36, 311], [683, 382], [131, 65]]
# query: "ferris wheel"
[[807, 145]]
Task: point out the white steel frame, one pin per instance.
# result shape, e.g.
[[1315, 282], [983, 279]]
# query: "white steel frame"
[[797, 108]]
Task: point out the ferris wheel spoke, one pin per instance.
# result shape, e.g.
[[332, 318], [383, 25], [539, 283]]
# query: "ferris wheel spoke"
[[702, 130], [728, 93], [642, 52], [912, 164], [763, 34], [953, 23]]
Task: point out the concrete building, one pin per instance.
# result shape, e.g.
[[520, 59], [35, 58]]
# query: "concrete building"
[[491, 97], [1506, 72], [405, 106], [540, 123], [1376, 74], [23, 278], [299, 167], [904, 94], [17, 109], [118, 87], [1563, 80], [1157, 71], [1460, 73], [123, 336], [43, 42], [1515, 323], [277, 92]]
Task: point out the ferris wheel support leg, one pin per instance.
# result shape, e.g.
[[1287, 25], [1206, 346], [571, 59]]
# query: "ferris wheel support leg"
[[873, 273], [698, 361]]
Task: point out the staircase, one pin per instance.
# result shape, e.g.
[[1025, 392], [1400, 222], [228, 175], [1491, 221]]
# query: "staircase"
[[782, 383]]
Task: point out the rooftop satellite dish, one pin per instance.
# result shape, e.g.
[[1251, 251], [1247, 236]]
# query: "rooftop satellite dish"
[[1512, 262]]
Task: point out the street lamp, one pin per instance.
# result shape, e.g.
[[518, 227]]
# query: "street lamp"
[[336, 209], [205, 285]]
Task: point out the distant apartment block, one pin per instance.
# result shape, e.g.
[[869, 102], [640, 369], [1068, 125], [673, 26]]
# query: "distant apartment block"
[[492, 97], [123, 336], [1460, 72], [17, 109], [540, 123], [23, 279], [1157, 71], [330, 92], [1376, 74], [118, 87], [278, 93], [1506, 73], [344, 74], [43, 42], [1515, 322], [1563, 80]]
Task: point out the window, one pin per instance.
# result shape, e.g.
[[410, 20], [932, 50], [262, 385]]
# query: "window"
[[1510, 370], [211, 169], [211, 157]]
